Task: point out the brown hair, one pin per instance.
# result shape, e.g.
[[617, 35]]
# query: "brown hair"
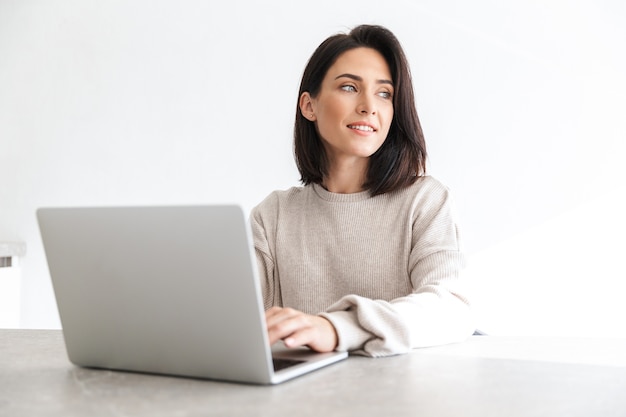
[[402, 157]]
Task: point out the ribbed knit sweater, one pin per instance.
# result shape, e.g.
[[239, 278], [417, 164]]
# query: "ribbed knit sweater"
[[384, 270]]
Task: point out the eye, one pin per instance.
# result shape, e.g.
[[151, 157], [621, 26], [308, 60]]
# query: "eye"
[[349, 87], [385, 94]]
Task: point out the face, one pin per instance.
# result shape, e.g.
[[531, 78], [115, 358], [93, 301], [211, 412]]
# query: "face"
[[354, 108]]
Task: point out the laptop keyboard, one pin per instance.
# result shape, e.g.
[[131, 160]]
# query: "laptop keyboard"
[[280, 363]]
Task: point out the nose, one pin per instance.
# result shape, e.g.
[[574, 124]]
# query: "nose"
[[366, 106]]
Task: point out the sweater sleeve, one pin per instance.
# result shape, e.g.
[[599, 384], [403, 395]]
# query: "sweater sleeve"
[[261, 226], [435, 312]]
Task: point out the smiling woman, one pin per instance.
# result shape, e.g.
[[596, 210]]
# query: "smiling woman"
[[364, 257], [404, 149], [353, 111]]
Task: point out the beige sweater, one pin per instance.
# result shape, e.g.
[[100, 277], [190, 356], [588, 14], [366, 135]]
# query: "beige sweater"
[[384, 270]]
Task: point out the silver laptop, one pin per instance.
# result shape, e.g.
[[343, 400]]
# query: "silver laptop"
[[166, 290]]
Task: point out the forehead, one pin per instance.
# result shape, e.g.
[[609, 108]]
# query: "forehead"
[[364, 62]]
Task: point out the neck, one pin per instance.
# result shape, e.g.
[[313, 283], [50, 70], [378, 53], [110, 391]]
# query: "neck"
[[347, 177]]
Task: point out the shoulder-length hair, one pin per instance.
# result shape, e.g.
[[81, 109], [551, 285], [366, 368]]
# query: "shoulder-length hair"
[[402, 157]]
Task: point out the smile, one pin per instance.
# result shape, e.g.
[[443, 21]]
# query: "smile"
[[362, 128]]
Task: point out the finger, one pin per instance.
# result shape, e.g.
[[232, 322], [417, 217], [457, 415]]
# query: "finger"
[[320, 335], [272, 311], [286, 323], [301, 337], [277, 314]]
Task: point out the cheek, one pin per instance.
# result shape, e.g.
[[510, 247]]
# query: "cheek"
[[386, 122], [330, 111], [329, 117]]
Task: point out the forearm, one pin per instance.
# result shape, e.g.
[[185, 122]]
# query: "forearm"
[[433, 316]]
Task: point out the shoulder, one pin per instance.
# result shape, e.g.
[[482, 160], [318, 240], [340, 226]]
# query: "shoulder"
[[427, 199], [433, 206], [425, 188], [429, 183], [271, 204]]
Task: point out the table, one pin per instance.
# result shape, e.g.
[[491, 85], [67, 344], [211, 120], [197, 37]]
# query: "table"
[[485, 376]]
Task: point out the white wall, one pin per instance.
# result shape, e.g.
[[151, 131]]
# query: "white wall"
[[163, 102]]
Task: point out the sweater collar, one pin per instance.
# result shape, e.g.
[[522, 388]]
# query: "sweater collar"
[[324, 194]]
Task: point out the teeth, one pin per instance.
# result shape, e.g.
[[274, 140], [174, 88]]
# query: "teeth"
[[362, 127]]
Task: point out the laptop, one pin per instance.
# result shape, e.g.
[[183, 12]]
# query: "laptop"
[[166, 290]]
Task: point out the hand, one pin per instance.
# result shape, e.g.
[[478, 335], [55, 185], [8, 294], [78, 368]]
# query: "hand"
[[298, 329]]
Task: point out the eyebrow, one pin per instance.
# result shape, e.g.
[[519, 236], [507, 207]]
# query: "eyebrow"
[[360, 79]]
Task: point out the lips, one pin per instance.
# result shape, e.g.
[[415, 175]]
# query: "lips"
[[362, 127]]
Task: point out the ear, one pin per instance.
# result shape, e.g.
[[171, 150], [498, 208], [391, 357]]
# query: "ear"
[[307, 107]]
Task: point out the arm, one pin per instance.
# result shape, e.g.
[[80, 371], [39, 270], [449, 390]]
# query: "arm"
[[294, 327], [270, 287], [435, 312]]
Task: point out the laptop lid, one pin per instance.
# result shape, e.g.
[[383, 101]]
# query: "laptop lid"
[[168, 290]]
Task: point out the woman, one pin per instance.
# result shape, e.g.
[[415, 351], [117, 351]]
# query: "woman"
[[365, 256]]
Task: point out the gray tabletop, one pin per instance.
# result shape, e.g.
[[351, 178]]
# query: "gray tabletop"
[[485, 376]]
